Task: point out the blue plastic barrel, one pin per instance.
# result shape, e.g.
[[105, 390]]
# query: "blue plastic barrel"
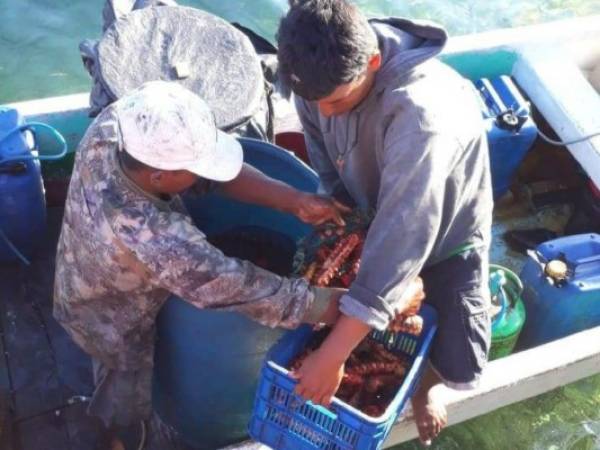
[[510, 129], [207, 363], [559, 306], [22, 202]]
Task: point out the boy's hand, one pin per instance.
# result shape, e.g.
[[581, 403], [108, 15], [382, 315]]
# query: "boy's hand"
[[319, 377], [410, 303], [321, 372], [318, 209]]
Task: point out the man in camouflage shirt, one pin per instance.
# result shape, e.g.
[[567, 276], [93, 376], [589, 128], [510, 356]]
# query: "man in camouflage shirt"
[[127, 243]]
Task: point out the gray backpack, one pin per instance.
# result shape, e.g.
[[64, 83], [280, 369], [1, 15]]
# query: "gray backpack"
[[147, 40]]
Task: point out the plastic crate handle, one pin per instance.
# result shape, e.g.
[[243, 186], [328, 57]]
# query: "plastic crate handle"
[[323, 410]]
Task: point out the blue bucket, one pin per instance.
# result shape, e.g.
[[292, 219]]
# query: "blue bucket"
[[207, 363]]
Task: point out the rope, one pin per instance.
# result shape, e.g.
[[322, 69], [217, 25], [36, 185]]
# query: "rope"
[[32, 125], [563, 143], [144, 436], [551, 141], [14, 249]]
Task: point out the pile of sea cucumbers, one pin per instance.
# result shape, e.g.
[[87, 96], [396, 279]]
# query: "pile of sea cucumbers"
[[372, 375]]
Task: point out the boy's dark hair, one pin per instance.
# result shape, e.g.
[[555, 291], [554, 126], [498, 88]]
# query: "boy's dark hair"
[[132, 164], [322, 45]]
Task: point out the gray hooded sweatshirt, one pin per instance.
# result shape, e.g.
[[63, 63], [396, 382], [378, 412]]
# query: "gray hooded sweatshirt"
[[415, 150]]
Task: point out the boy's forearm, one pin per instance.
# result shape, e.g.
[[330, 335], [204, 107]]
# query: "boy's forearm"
[[253, 186], [344, 337]]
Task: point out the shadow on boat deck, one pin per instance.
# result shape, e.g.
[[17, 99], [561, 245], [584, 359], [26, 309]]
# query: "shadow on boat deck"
[[45, 379], [44, 375]]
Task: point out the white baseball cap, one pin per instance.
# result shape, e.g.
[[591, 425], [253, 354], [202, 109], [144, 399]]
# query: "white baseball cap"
[[168, 127]]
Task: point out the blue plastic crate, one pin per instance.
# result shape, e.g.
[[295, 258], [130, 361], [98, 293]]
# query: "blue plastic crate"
[[284, 421]]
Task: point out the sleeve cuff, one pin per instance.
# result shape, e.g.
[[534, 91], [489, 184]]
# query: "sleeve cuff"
[[372, 317], [316, 308], [371, 299]]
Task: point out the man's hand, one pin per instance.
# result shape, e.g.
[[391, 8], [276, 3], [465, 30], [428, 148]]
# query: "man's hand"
[[409, 304], [318, 209], [319, 377], [253, 186]]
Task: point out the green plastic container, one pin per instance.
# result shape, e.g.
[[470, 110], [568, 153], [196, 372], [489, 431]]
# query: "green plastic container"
[[506, 289]]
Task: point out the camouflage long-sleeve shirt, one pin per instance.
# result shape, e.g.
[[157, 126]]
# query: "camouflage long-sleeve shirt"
[[122, 252]]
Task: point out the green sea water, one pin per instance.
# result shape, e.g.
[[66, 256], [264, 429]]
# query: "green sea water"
[[566, 418], [38, 38], [39, 58]]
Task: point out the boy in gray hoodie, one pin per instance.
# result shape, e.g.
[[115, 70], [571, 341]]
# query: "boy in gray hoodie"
[[391, 128]]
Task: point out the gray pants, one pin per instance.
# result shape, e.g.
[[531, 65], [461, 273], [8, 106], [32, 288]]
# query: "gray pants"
[[121, 398], [458, 289]]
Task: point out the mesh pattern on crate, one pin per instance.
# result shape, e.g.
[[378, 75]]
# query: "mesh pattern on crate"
[[282, 421], [396, 343], [288, 411]]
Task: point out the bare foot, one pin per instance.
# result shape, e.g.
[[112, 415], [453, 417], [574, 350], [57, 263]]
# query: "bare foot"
[[429, 407], [116, 444], [125, 438]]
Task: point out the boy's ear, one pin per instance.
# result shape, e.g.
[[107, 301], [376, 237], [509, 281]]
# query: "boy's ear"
[[374, 63]]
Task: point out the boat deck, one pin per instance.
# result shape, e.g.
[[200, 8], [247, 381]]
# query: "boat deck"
[[44, 373], [45, 379]]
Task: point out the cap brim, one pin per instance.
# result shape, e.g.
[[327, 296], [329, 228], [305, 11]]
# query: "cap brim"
[[225, 162]]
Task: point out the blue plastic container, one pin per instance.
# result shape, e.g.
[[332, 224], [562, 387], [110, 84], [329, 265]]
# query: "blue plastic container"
[[510, 128], [283, 421], [22, 202], [207, 363], [556, 309], [214, 213]]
